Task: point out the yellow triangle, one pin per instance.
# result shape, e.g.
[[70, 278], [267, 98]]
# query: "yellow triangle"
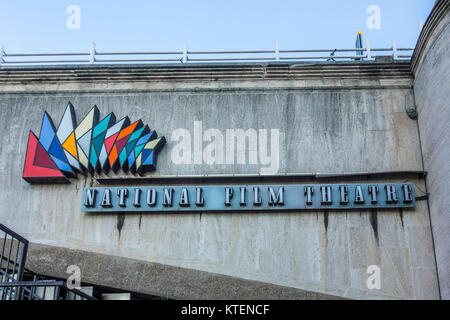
[[138, 161], [70, 145], [152, 144], [86, 124], [83, 159]]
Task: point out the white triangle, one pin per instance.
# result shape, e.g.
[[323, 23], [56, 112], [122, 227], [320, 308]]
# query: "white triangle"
[[66, 126], [72, 161]]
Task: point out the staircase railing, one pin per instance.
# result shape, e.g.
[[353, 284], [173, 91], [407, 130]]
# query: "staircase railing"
[[13, 256], [40, 290]]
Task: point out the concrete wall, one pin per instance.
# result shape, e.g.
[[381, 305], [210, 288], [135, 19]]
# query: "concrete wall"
[[345, 120], [431, 65]]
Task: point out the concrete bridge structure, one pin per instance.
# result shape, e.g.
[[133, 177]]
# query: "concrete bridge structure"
[[337, 122]]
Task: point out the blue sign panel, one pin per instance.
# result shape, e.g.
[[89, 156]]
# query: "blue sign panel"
[[292, 197]]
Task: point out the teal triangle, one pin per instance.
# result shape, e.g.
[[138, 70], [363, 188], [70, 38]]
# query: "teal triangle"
[[93, 157], [98, 142], [138, 149], [123, 157], [136, 134], [130, 147], [102, 126]]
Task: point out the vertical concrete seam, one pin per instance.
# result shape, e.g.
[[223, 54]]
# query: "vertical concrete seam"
[[428, 201]]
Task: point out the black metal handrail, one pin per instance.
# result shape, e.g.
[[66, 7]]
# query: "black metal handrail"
[[40, 290], [13, 255]]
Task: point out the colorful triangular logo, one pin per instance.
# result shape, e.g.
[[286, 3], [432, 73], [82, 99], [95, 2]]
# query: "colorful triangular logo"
[[59, 154]]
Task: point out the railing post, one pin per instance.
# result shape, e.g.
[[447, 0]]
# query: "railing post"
[[23, 259], [277, 51], [92, 53], [185, 53], [394, 50], [1, 54], [369, 53]]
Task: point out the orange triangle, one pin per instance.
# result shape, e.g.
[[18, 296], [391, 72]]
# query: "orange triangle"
[[70, 145], [113, 155], [128, 130]]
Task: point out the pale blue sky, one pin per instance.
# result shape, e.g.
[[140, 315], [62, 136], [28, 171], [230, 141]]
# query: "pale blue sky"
[[40, 26]]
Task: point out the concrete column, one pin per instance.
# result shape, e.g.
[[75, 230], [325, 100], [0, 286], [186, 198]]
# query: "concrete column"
[[431, 65]]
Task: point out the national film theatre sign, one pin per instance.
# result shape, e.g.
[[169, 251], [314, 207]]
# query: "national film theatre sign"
[[248, 198], [109, 145]]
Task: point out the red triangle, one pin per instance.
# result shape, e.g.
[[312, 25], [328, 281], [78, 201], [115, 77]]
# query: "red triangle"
[[110, 142], [42, 159], [121, 143], [32, 172]]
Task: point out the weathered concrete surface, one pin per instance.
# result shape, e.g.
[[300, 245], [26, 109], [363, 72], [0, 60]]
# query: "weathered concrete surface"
[[340, 121], [152, 278], [192, 75], [431, 65]]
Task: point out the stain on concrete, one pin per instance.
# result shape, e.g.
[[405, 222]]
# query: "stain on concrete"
[[401, 216], [374, 223], [316, 142], [120, 222]]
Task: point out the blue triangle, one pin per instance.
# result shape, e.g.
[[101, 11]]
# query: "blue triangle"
[[56, 150], [145, 153], [146, 138], [61, 164], [85, 142], [47, 132], [131, 159], [149, 159]]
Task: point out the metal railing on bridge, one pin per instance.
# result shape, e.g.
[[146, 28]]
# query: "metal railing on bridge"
[[186, 56]]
